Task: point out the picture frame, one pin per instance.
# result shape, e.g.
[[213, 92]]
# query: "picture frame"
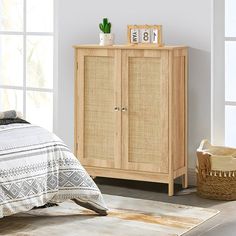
[[145, 34]]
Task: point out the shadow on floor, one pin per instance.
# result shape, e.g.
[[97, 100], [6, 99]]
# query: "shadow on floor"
[[153, 191]]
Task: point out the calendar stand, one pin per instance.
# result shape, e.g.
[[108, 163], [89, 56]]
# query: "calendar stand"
[[145, 34]]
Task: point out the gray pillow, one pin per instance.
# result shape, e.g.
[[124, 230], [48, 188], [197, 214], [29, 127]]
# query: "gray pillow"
[[12, 114]]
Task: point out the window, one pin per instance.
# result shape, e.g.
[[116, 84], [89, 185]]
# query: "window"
[[230, 72], [26, 59], [224, 72]]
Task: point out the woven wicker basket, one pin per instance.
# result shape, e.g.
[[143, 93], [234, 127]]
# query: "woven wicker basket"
[[216, 172]]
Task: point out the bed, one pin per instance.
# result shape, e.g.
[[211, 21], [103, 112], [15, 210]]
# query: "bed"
[[36, 168]]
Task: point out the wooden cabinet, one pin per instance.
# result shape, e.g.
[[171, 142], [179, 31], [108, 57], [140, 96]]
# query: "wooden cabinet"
[[131, 112]]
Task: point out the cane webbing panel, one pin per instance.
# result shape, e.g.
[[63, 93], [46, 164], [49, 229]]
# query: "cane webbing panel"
[[147, 116], [98, 108]]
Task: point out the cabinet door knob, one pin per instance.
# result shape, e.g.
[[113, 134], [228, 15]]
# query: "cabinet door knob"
[[124, 109], [116, 108]]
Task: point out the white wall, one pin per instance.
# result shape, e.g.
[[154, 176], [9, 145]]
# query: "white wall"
[[186, 22]]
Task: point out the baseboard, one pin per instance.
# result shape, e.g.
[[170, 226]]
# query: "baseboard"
[[192, 179]]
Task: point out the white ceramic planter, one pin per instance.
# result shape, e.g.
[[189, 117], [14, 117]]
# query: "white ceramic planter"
[[106, 39]]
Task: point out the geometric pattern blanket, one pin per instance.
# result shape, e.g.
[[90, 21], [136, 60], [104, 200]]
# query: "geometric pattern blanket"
[[36, 168]]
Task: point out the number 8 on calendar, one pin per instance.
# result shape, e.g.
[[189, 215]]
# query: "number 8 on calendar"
[[145, 36]]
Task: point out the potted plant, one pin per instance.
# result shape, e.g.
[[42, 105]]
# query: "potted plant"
[[106, 37]]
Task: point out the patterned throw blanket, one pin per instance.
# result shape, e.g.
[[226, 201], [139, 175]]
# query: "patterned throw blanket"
[[36, 167]]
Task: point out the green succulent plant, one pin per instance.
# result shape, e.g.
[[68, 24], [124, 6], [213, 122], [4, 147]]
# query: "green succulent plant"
[[105, 27]]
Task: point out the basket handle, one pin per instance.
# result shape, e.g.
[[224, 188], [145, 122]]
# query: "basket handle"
[[204, 145]]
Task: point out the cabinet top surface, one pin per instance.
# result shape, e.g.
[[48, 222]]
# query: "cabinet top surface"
[[129, 46]]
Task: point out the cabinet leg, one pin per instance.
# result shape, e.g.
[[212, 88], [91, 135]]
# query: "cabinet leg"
[[171, 188], [185, 181]]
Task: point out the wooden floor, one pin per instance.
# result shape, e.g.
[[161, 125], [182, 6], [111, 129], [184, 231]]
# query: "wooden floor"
[[221, 225]]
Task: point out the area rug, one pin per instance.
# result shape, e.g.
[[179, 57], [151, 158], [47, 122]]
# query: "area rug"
[[127, 216]]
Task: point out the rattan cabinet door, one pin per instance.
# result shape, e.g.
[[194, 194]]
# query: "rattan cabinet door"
[[99, 101], [145, 110]]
